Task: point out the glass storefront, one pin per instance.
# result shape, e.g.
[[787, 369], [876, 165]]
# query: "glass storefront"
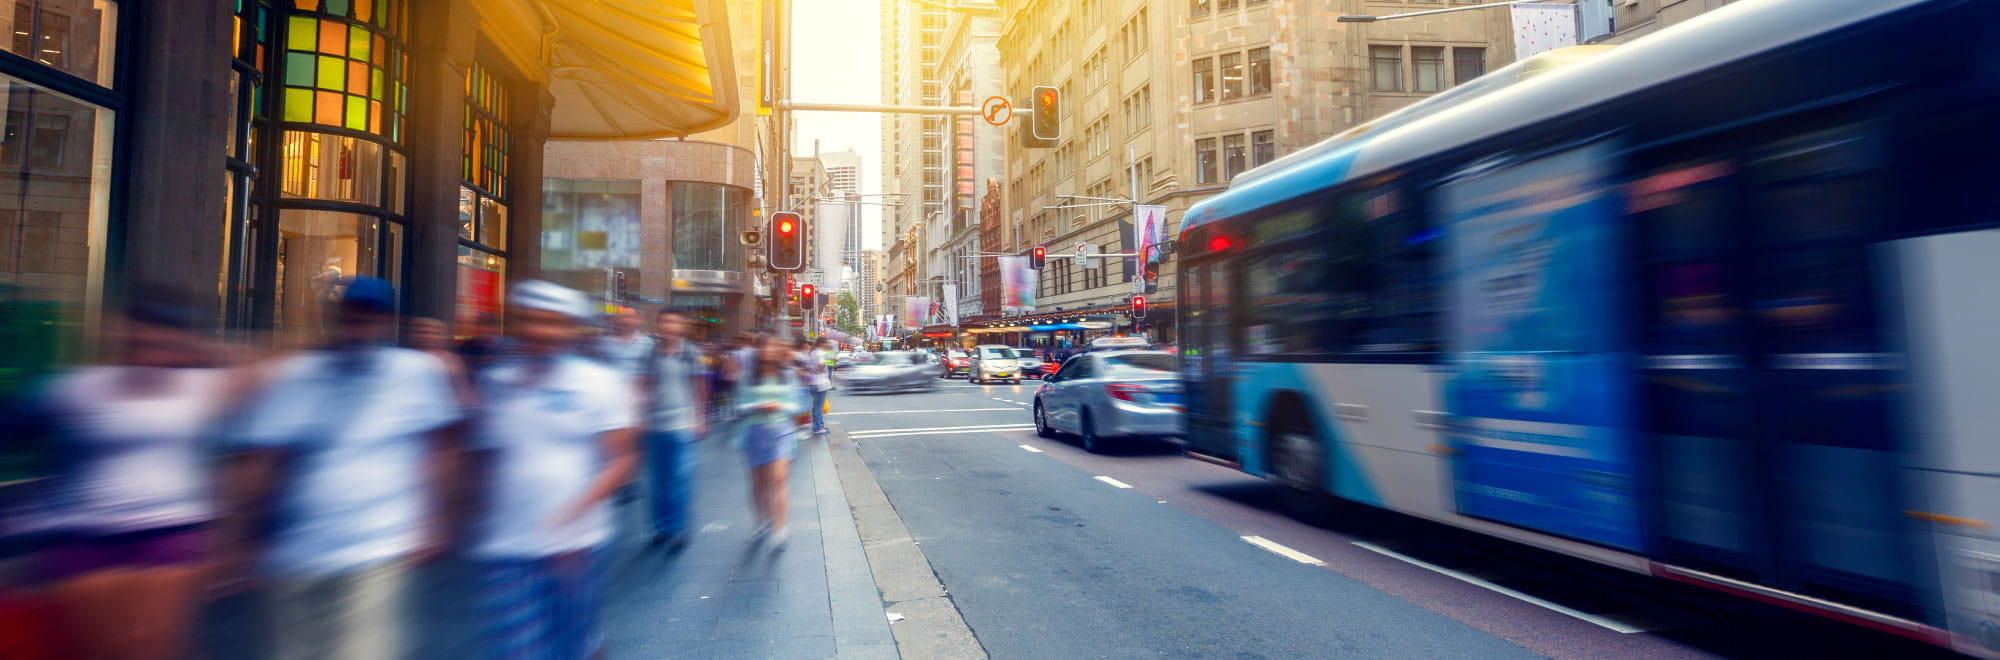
[[707, 219], [54, 198], [588, 226], [482, 197]]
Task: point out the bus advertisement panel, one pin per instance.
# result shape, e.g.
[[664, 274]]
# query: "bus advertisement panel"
[[1538, 378]]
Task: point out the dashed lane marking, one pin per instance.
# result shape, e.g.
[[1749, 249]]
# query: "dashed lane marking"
[[893, 433], [1113, 482], [1282, 551], [1031, 448], [1603, 621], [902, 412]]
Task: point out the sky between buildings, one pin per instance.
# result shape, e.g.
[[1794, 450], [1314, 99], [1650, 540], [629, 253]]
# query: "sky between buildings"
[[837, 58]]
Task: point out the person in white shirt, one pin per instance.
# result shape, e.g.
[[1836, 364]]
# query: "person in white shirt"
[[555, 439], [625, 347], [342, 482], [819, 381]]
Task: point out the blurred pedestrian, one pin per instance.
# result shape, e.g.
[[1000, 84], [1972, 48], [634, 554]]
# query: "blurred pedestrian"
[[819, 381], [342, 483], [555, 439], [431, 336], [676, 395], [484, 345], [125, 518], [769, 402], [625, 347]]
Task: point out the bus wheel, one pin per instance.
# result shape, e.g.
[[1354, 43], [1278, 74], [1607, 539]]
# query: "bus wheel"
[[1298, 462]]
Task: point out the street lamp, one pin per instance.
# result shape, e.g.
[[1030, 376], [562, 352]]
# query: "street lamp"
[[1365, 18]]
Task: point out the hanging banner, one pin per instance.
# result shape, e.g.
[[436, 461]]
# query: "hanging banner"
[[915, 308], [1540, 28], [1151, 222], [951, 304], [831, 221], [1017, 285]]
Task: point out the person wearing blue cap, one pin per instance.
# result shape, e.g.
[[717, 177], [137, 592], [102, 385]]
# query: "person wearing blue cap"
[[556, 438], [339, 482]]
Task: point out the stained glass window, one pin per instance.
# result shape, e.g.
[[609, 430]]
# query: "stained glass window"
[[345, 65], [487, 113]]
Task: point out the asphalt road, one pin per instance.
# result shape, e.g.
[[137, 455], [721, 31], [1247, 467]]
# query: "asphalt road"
[[1049, 551]]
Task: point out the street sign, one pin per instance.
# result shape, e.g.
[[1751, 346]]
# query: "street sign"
[[997, 110], [1083, 252]]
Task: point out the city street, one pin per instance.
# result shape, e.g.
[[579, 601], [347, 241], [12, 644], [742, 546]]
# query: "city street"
[[1048, 551]]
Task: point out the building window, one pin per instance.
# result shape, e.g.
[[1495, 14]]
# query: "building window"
[[56, 154], [1471, 63], [1385, 68], [345, 66], [1260, 71], [1226, 5], [73, 37], [1263, 148], [1204, 80], [1204, 161], [487, 141], [706, 220], [1232, 76], [1429, 64], [1199, 8], [1234, 155]]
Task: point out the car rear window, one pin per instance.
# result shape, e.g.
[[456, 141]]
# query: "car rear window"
[[1146, 361]]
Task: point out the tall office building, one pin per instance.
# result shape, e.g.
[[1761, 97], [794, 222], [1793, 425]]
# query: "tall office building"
[[913, 146], [1165, 101], [843, 180]]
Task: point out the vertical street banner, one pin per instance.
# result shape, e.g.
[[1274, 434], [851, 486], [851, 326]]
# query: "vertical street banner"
[[1538, 378], [767, 57], [915, 308], [1017, 285], [951, 303], [1151, 221], [1539, 28], [830, 223]]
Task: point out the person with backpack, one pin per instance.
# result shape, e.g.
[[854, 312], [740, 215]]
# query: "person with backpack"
[[675, 393]]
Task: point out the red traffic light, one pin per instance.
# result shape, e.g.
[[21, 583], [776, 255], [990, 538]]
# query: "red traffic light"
[[1037, 257], [1138, 307], [1048, 97], [785, 226]]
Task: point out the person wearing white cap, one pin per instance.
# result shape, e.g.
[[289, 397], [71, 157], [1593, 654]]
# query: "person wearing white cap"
[[556, 437]]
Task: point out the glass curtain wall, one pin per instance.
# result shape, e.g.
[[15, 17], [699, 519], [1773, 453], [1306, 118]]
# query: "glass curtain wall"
[[706, 220], [591, 227]]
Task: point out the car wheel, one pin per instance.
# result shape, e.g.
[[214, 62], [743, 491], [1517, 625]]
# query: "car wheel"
[[1042, 422], [1088, 429]]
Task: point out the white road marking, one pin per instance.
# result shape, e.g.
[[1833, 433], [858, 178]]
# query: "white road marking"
[[1031, 448], [900, 412], [939, 428], [983, 429], [1607, 622], [1113, 482], [1282, 551]]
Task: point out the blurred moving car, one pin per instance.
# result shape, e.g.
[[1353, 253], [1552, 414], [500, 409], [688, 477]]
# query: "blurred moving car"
[[1031, 366], [843, 360], [991, 362], [1102, 395], [1102, 344], [890, 371], [953, 362]]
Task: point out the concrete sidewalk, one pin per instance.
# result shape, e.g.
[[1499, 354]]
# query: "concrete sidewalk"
[[723, 596], [727, 596]]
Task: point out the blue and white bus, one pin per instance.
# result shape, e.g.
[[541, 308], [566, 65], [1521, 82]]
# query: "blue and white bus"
[[1721, 305]]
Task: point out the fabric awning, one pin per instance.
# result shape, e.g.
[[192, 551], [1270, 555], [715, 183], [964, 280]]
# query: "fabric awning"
[[636, 69]]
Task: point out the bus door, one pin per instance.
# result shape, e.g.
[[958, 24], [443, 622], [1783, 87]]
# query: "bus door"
[[1207, 334], [1769, 370]]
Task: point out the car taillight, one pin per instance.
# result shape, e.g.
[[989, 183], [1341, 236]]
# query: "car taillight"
[[1124, 392]]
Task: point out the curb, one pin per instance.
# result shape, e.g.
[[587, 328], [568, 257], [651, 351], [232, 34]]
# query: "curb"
[[931, 626]]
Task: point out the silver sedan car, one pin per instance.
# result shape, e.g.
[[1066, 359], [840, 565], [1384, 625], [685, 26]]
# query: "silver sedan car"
[[1099, 396], [890, 371]]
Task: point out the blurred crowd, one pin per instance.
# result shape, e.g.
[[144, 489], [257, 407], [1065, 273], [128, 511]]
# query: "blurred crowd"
[[176, 470]]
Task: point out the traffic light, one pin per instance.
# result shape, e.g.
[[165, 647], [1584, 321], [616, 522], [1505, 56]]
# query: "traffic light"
[[788, 244], [619, 286], [1047, 124], [1038, 257], [1138, 307], [806, 297]]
